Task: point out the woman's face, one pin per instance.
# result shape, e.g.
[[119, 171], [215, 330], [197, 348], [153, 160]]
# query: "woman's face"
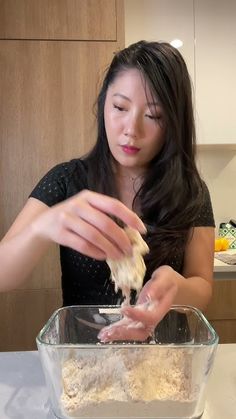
[[134, 122]]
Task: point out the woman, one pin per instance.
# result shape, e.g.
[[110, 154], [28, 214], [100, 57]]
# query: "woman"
[[141, 171]]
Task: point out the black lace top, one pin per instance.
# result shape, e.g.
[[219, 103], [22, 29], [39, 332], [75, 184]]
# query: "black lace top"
[[86, 280]]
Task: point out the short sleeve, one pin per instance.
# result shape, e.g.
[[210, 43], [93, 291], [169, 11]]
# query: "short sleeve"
[[61, 182], [205, 217]]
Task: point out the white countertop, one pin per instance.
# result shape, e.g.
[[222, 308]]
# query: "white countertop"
[[220, 266], [221, 391], [23, 393]]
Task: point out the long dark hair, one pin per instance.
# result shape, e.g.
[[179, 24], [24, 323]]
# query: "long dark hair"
[[171, 194]]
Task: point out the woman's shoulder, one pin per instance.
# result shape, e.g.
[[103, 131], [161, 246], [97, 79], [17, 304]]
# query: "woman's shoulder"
[[67, 169], [61, 182], [205, 216]]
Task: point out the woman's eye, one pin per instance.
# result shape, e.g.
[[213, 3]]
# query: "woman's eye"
[[119, 108]]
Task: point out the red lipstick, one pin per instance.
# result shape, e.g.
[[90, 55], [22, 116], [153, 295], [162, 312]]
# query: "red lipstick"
[[129, 149]]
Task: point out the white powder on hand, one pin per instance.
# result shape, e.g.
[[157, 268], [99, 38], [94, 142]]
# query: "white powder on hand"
[[128, 272]]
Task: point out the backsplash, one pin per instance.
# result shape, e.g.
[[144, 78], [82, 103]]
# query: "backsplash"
[[218, 169]]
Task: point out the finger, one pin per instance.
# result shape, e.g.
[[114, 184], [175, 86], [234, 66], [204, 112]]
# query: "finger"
[[114, 207], [94, 237], [105, 225], [80, 245], [124, 333], [155, 312]]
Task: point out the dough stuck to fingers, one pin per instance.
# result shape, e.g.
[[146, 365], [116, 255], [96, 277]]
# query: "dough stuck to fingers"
[[128, 272]]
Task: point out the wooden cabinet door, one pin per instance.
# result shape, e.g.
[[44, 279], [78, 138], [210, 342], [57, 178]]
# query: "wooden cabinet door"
[[221, 311], [48, 89], [91, 20], [47, 93]]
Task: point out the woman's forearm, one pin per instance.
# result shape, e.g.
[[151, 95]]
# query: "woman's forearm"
[[18, 257], [81, 223], [194, 291]]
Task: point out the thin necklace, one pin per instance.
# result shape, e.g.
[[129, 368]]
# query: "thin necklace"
[[133, 178]]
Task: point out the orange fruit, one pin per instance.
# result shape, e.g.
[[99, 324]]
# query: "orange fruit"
[[217, 245], [221, 244], [224, 244]]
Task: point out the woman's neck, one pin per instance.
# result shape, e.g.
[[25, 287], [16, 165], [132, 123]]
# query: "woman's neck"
[[129, 174], [128, 186]]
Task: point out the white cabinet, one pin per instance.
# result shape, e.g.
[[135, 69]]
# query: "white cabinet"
[[162, 20], [208, 31], [215, 71]]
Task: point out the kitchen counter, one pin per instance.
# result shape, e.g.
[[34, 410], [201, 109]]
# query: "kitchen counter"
[[23, 393], [220, 266]]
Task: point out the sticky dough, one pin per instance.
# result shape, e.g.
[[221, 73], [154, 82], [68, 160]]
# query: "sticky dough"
[[128, 273]]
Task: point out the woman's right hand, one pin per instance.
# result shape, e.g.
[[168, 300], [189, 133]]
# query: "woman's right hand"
[[83, 223]]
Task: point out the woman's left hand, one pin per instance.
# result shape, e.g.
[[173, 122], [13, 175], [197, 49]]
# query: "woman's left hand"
[[155, 300]]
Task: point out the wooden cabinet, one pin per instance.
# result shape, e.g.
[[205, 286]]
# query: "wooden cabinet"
[[49, 79], [208, 31], [221, 312], [46, 111], [93, 20]]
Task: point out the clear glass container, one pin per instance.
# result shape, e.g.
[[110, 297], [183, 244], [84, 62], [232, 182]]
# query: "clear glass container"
[[163, 377]]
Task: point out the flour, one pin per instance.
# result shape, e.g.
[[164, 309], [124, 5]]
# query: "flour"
[[128, 272], [129, 381], [106, 377]]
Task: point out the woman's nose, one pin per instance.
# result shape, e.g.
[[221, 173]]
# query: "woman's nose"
[[133, 127]]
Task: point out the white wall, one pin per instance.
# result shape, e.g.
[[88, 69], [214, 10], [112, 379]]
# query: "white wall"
[[218, 169], [162, 20]]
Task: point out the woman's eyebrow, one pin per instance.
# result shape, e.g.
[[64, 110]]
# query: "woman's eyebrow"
[[157, 103], [123, 96]]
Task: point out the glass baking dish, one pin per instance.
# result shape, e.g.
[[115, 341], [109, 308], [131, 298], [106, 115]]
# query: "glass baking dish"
[[163, 377]]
